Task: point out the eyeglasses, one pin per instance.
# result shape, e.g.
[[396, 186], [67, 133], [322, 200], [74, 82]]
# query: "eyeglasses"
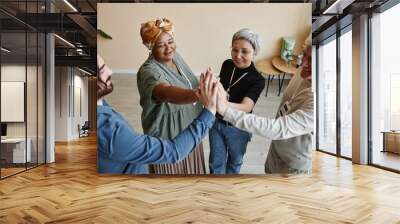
[[242, 51]]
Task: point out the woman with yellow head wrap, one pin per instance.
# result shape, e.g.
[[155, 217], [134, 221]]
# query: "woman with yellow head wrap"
[[168, 93], [151, 30]]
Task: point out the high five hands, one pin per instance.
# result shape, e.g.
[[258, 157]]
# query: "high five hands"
[[211, 93], [207, 92]]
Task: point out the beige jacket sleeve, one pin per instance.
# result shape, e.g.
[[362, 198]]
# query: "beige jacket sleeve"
[[298, 122]]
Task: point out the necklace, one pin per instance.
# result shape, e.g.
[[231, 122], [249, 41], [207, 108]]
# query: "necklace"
[[187, 79], [230, 82], [182, 73]]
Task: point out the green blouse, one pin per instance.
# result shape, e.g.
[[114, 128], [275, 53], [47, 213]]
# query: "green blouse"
[[165, 119]]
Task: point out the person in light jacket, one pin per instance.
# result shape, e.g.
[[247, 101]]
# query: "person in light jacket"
[[291, 130]]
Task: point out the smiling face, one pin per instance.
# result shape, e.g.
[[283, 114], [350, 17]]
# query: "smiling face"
[[306, 64], [242, 53], [164, 48]]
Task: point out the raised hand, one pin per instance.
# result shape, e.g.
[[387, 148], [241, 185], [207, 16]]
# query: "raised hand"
[[208, 90], [222, 100]]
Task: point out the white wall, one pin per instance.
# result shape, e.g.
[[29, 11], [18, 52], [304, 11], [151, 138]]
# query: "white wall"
[[67, 115], [17, 73], [79, 117], [203, 32], [13, 100], [14, 73], [33, 126], [61, 103]]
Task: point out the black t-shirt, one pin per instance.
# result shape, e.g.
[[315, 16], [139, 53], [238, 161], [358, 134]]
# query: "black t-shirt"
[[250, 85]]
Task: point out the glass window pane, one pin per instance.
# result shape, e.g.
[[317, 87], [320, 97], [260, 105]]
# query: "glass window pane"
[[31, 97], [327, 97], [41, 98], [346, 94], [13, 86], [385, 86], [23, 85]]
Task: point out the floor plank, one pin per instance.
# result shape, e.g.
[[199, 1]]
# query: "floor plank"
[[70, 191]]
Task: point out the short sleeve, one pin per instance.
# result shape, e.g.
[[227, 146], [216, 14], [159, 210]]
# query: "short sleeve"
[[256, 87], [148, 78], [223, 75]]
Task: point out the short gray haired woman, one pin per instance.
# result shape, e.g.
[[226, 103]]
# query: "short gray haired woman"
[[250, 36], [244, 85]]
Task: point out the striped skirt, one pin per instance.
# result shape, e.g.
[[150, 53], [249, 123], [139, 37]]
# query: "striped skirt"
[[192, 164]]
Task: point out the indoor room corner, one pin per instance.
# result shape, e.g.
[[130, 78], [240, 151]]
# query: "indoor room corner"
[[45, 96]]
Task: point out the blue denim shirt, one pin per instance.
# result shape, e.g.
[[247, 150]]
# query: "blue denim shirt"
[[121, 150]]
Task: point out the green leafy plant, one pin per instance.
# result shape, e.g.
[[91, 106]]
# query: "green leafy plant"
[[103, 34]]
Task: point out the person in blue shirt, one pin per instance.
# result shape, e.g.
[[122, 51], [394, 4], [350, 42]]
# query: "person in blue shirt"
[[121, 150]]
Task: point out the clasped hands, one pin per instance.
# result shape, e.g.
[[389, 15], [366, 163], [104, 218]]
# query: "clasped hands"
[[211, 93]]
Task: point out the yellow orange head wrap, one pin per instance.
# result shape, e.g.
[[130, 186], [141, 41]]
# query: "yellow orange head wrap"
[[151, 30]]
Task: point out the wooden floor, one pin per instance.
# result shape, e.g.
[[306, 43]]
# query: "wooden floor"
[[387, 159], [70, 191], [10, 171]]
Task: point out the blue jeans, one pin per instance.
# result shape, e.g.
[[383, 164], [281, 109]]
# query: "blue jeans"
[[227, 147]]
